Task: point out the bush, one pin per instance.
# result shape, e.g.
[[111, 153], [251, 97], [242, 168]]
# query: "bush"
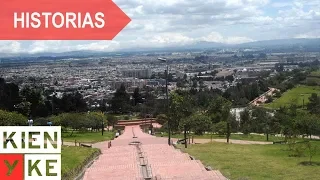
[[161, 119], [126, 117], [221, 128], [41, 122], [12, 119]]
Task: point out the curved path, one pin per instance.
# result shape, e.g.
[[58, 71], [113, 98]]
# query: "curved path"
[[139, 156], [232, 141]]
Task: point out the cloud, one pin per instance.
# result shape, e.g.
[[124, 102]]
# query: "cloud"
[[10, 47], [179, 22], [217, 37]]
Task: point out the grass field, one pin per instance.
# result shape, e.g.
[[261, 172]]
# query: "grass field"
[[294, 96], [315, 74], [251, 162], [233, 136], [74, 158], [313, 78], [87, 137]]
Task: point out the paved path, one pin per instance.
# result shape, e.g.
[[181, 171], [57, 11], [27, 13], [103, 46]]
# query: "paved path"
[[232, 141], [139, 156]]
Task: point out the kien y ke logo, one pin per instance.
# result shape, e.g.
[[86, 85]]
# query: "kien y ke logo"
[[30, 153]]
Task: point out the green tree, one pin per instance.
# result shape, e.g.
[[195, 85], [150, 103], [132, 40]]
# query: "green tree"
[[34, 97], [261, 121], [220, 128], [137, 97], [12, 119], [162, 119], [9, 95], [197, 122], [245, 121], [314, 104], [120, 103], [219, 109], [180, 108], [112, 120]]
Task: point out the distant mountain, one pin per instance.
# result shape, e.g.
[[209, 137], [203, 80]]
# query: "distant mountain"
[[202, 45], [281, 42], [311, 44]]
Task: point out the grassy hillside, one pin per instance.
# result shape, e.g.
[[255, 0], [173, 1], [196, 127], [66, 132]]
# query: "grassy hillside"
[[252, 162], [295, 96]]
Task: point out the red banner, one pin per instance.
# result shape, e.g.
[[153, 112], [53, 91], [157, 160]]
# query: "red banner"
[[60, 20]]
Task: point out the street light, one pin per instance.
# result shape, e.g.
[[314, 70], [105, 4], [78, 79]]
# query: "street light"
[[164, 60]]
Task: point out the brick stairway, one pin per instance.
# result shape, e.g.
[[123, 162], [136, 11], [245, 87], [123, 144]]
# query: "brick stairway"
[[139, 156]]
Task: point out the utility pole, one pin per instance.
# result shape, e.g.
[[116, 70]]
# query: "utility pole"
[[167, 98], [167, 102]]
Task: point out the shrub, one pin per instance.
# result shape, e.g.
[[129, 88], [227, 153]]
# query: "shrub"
[[221, 128], [161, 119], [12, 119]]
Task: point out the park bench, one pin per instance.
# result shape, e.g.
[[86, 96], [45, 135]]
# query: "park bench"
[[86, 145], [279, 142], [182, 141]]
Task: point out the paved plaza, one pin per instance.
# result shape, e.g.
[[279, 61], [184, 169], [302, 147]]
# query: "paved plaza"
[[139, 156]]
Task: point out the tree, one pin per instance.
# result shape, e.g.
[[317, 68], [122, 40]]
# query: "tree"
[[34, 97], [12, 119], [23, 108], [97, 120], [261, 121], [137, 97], [314, 104], [312, 151], [307, 124], [9, 95], [229, 78], [219, 109], [112, 120], [162, 119], [220, 128], [197, 122], [201, 84], [194, 83], [245, 120], [180, 107], [120, 103], [71, 102]]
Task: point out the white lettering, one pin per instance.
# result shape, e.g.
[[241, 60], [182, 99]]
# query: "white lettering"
[[99, 17], [16, 20], [35, 18], [46, 16], [54, 20], [87, 21], [59, 20], [70, 18]]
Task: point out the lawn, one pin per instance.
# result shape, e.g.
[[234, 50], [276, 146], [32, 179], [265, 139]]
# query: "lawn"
[[74, 159], [248, 162], [315, 73], [297, 96], [313, 78], [250, 137], [87, 137]]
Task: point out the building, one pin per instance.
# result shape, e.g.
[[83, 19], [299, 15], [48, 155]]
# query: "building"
[[137, 73]]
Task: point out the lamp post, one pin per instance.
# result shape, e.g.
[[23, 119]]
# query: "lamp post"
[[167, 98]]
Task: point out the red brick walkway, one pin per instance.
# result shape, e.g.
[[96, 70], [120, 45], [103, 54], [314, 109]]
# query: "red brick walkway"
[[137, 156]]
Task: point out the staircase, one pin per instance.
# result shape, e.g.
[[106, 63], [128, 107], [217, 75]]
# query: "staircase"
[[139, 156]]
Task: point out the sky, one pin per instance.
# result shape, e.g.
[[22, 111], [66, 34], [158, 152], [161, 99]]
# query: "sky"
[[165, 23]]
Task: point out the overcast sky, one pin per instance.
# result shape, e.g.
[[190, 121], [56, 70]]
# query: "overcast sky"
[[159, 23]]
